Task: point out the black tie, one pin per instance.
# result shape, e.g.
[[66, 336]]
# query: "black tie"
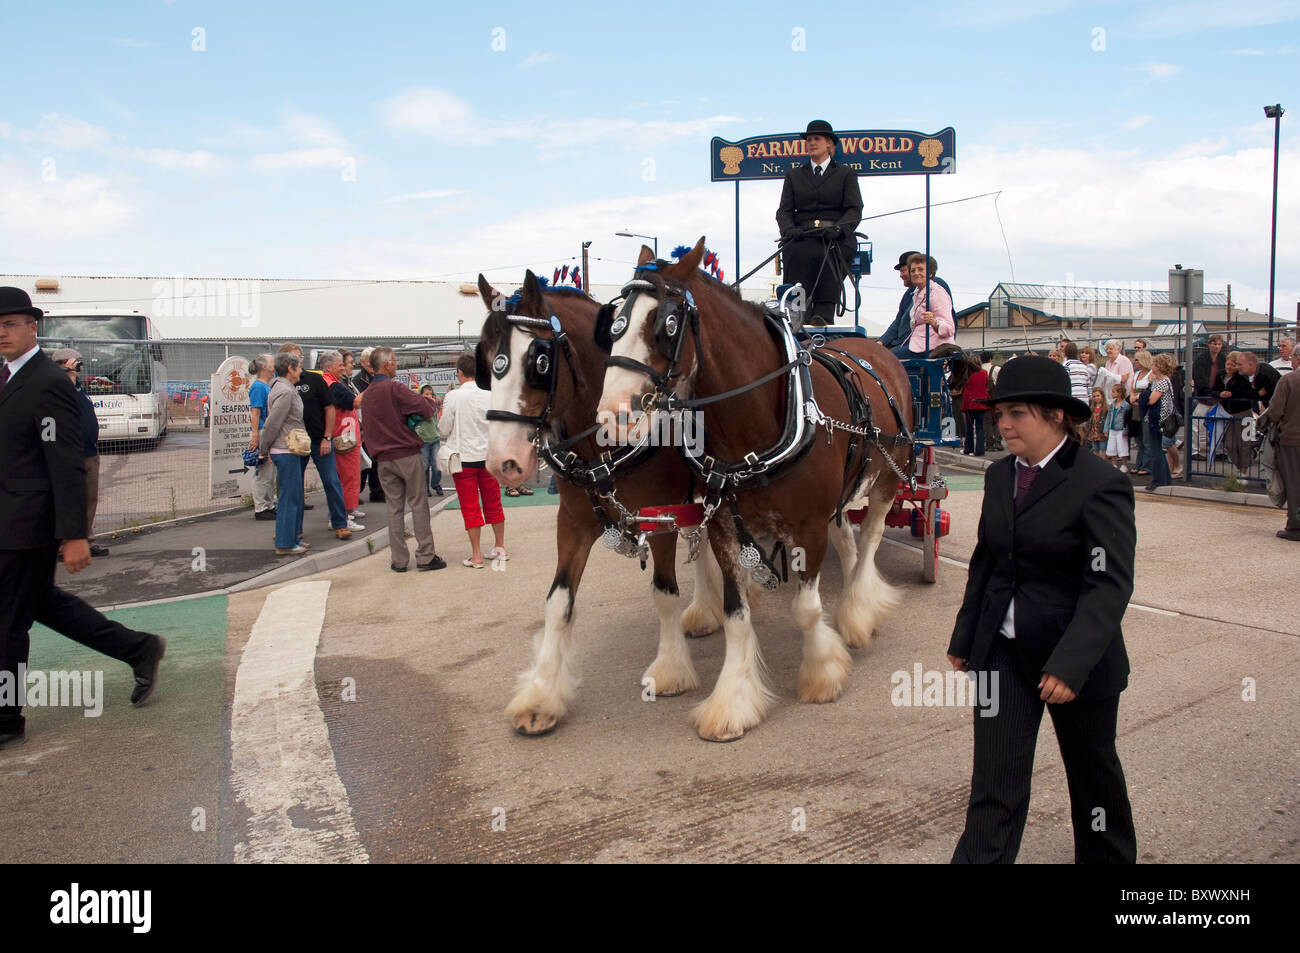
[[4, 375], [1025, 477], [817, 171]]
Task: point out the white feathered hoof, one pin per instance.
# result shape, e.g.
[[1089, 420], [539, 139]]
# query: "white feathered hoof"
[[700, 620], [532, 712], [727, 717], [856, 629], [670, 677], [822, 680]]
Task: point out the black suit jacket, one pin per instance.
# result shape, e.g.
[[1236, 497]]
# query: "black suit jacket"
[[42, 473], [834, 199], [1067, 559]]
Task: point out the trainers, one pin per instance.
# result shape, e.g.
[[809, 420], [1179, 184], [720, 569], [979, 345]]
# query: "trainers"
[[356, 514], [1124, 468], [354, 525], [296, 551]]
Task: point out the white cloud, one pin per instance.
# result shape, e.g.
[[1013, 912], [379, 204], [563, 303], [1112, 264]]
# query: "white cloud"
[[1187, 16], [1137, 122], [1275, 51], [309, 130], [413, 196], [171, 159], [437, 114], [78, 206], [425, 111], [1161, 70], [328, 157], [59, 131], [536, 59]]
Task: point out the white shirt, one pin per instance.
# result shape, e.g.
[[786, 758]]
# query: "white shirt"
[[821, 165], [1009, 620], [1283, 365], [17, 363], [464, 422]]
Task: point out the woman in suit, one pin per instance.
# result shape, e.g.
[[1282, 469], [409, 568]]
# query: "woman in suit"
[[1049, 581]]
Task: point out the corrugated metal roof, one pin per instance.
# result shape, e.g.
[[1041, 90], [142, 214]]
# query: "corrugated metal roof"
[[1091, 293]]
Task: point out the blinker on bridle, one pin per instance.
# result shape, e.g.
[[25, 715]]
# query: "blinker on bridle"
[[675, 314], [538, 367]]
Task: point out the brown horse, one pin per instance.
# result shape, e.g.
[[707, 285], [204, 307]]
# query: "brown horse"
[[729, 347], [565, 393]]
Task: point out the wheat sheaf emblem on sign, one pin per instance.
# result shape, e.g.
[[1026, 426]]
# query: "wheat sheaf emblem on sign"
[[930, 150], [731, 156]]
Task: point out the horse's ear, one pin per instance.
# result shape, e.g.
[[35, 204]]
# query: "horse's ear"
[[693, 257], [532, 290], [487, 292], [645, 256], [685, 267]]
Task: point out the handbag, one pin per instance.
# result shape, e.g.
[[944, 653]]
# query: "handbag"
[[346, 438], [448, 460], [298, 442]]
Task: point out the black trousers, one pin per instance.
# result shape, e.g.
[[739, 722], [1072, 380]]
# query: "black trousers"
[[1004, 764], [822, 283], [27, 595]]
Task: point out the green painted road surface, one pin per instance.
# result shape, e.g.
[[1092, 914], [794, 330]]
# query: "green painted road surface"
[[131, 785]]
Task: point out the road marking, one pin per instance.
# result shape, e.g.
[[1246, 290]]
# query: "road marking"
[[282, 765]]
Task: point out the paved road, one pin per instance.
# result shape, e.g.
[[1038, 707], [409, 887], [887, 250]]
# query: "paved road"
[[393, 745]]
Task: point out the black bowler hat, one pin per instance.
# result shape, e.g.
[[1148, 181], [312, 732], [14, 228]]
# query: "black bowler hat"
[[1037, 380], [16, 301], [820, 127]]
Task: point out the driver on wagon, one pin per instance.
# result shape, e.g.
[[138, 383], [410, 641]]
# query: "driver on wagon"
[[819, 211]]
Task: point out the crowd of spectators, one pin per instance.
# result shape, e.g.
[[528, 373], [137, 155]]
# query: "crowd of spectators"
[[360, 426]]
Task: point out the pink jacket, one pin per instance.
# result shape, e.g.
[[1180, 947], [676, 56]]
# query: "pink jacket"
[[941, 305]]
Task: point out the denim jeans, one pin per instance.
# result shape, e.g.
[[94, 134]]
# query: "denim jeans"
[[288, 512], [429, 454], [329, 479], [1160, 475]]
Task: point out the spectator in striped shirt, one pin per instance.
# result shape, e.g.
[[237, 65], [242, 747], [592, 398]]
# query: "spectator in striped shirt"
[[1080, 380]]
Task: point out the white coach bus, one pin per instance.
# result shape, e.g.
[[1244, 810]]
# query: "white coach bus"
[[123, 371]]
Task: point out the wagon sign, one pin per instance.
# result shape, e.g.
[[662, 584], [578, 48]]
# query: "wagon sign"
[[866, 151]]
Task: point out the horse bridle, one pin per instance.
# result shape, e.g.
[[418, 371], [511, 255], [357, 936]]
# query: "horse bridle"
[[675, 316], [538, 366]]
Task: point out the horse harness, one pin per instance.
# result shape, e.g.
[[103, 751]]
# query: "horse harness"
[[721, 480], [539, 368]]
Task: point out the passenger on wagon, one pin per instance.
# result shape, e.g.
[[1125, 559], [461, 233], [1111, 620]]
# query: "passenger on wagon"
[[820, 209], [937, 318]]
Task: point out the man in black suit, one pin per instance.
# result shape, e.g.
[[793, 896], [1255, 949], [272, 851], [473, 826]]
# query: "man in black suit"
[[1050, 578], [43, 515], [820, 208]]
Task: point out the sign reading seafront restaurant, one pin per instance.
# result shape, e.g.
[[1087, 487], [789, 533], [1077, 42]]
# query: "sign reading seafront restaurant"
[[866, 151], [232, 424]]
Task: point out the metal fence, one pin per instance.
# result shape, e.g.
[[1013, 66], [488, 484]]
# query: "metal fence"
[[151, 399]]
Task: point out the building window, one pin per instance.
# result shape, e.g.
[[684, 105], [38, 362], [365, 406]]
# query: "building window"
[[998, 312]]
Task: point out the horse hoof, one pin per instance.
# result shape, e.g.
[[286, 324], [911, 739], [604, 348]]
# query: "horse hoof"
[[670, 694], [535, 723], [724, 737]]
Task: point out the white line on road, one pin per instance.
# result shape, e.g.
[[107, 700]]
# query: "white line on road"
[[282, 765]]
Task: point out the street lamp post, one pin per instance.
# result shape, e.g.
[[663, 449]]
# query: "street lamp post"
[[1274, 113], [628, 233], [459, 323]]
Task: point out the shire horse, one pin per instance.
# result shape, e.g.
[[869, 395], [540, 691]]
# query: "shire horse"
[[722, 343], [543, 389]]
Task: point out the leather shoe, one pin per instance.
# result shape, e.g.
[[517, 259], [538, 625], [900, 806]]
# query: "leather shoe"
[[264, 515], [12, 739], [396, 568], [343, 533], [437, 562], [99, 550], [146, 671], [1292, 534]]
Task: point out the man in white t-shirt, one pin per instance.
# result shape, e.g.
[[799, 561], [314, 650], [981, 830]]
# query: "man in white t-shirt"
[[1283, 362]]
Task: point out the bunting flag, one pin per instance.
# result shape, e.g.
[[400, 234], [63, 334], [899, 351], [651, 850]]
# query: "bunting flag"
[[555, 278], [577, 278], [710, 263]]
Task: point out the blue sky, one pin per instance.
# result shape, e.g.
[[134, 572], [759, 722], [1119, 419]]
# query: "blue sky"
[[404, 140]]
